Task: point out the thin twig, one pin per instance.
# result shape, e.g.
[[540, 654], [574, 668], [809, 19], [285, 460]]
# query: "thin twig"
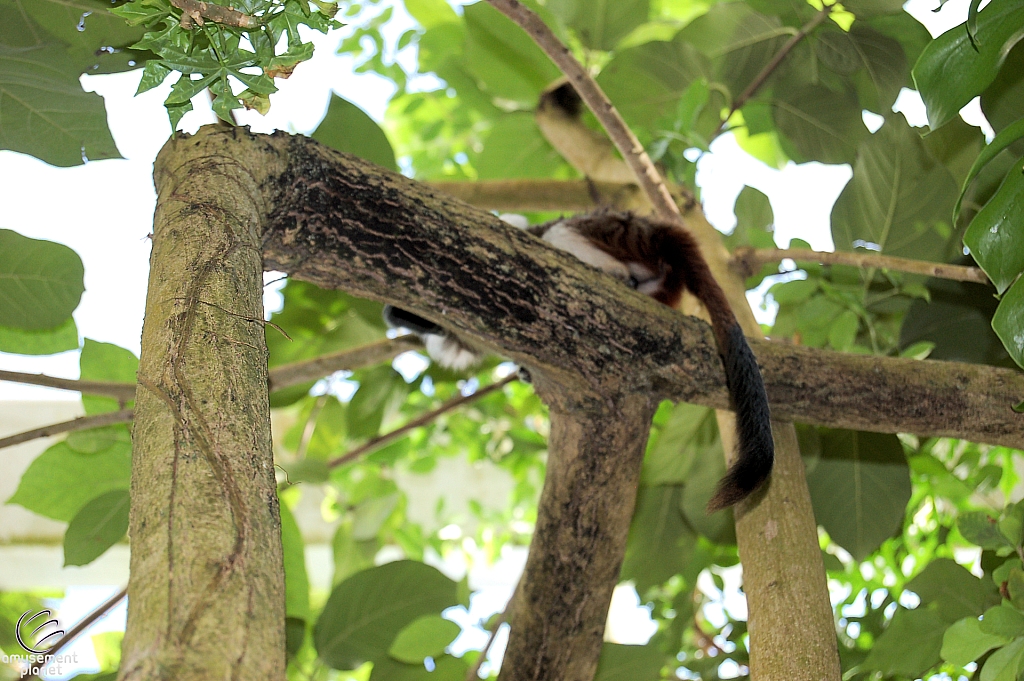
[[590, 92], [102, 609], [281, 377], [474, 672], [197, 12], [417, 422], [297, 373], [123, 392], [746, 261], [770, 67], [82, 423]]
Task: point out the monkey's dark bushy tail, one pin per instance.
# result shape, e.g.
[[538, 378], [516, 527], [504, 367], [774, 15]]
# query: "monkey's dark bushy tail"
[[755, 454]]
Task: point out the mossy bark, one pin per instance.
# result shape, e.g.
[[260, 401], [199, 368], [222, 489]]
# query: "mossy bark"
[[206, 592]]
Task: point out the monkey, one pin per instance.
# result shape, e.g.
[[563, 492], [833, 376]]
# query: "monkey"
[[660, 259]]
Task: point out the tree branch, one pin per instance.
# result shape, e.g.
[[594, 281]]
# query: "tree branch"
[[770, 67], [123, 392], [81, 423], [421, 420], [523, 196], [627, 143], [747, 261], [197, 12]]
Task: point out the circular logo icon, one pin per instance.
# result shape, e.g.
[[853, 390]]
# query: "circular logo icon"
[[35, 643]]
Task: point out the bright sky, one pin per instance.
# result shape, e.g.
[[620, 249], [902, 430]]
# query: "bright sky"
[[103, 210]]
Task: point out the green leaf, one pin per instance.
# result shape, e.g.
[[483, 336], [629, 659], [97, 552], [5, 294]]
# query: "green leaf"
[[646, 82], [381, 391], [346, 127], [598, 23], [366, 611], [875, 61], [516, 148], [370, 516], [859, 488], [46, 112], [670, 455], [424, 637], [955, 591], [296, 580], [1006, 663], [446, 668], [965, 642], [40, 342], [1005, 138], [100, 524], [1003, 621], [1008, 321], [60, 481], [41, 282], [503, 58], [1002, 102], [979, 528], [951, 72], [898, 199], [88, 27], [738, 40], [708, 469], [431, 13], [818, 124], [910, 645], [96, 440], [629, 663], [660, 543], [843, 331], [870, 8], [996, 234], [105, 362]]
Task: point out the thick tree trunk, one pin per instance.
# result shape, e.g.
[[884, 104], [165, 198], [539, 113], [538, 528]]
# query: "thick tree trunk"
[[206, 593], [560, 607]]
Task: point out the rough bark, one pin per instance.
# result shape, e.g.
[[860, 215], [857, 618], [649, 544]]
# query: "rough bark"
[[206, 593], [559, 611]]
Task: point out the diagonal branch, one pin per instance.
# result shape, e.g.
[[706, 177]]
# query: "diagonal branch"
[[422, 420], [123, 392], [625, 141], [770, 67]]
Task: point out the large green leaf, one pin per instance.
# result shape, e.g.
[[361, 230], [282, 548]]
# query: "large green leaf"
[[45, 111], [671, 452], [881, 66], [100, 524], [61, 481], [516, 148], [503, 57], [996, 234], [899, 198], [88, 28], [425, 637], [957, 320], [40, 342], [446, 668], [366, 611], [645, 82], [738, 40], [431, 13], [109, 363], [819, 124], [346, 127], [629, 663], [296, 580], [660, 543], [953, 590], [910, 645], [1006, 663], [600, 24], [992, 153], [1008, 321], [953, 70], [1003, 101], [859, 486], [41, 282], [381, 391], [965, 642]]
